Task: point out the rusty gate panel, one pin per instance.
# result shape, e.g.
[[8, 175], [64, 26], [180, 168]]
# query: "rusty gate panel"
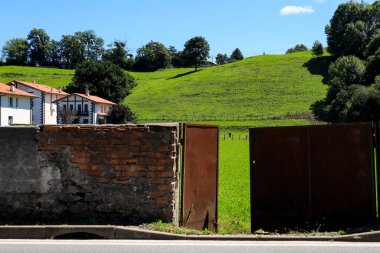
[[308, 175], [341, 157], [200, 176], [279, 181]]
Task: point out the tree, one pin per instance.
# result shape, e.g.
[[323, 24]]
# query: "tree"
[[68, 116], [54, 57], [15, 51], [121, 114], [39, 47], [176, 57], [373, 67], [91, 44], [195, 52], [221, 59], [297, 48], [364, 104], [373, 45], [347, 28], [236, 55], [317, 48], [346, 71], [118, 54], [344, 74], [103, 79], [152, 56], [71, 51]]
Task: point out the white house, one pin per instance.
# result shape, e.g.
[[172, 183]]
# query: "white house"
[[82, 109], [44, 111], [15, 106]]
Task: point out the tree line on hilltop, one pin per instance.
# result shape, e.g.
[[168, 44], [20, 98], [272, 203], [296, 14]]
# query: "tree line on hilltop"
[[37, 49]]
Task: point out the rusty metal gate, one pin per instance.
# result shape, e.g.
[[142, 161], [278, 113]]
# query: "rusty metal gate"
[[309, 175], [200, 176]]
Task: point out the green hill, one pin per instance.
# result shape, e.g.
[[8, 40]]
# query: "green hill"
[[50, 76], [257, 88]]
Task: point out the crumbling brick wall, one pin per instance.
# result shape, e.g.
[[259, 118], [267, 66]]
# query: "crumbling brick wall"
[[112, 174]]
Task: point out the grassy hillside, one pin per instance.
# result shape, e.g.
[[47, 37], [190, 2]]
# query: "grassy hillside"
[[50, 76], [256, 88]]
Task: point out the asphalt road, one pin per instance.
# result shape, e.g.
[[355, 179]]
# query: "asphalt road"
[[142, 246]]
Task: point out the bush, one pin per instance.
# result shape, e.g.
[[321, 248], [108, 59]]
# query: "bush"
[[346, 70], [297, 48], [317, 48], [121, 114], [103, 79]]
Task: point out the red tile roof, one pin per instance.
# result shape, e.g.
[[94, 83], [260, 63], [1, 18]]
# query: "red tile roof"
[[95, 99], [6, 89], [41, 87]]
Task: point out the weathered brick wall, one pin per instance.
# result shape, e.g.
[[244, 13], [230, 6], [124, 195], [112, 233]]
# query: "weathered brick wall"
[[93, 174]]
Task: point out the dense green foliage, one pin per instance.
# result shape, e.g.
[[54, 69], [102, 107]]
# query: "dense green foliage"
[[118, 54], [353, 30], [39, 47], [352, 27], [15, 51], [195, 52], [103, 79], [297, 48], [152, 56], [221, 59], [121, 114], [236, 55], [317, 48]]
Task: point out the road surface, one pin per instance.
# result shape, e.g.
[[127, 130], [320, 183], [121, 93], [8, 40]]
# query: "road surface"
[[142, 246]]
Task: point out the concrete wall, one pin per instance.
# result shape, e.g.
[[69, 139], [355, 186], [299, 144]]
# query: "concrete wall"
[[88, 174]]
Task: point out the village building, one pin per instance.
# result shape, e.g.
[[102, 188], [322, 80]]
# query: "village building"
[[44, 110], [16, 106], [82, 109]]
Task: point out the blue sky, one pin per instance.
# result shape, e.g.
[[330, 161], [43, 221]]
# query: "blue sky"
[[269, 26]]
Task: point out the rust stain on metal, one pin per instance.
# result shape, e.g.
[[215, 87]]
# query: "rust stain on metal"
[[200, 176], [312, 174]]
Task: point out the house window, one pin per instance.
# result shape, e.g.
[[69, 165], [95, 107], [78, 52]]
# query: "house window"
[[79, 109], [64, 107], [16, 102], [10, 120], [71, 107], [10, 102], [86, 108], [85, 121]]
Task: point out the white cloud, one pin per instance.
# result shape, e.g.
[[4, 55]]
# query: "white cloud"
[[292, 9]]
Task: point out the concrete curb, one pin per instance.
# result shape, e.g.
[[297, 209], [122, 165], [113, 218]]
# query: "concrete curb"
[[131, 232]]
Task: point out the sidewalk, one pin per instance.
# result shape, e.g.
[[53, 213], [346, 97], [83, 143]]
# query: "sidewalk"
[[132, 232]]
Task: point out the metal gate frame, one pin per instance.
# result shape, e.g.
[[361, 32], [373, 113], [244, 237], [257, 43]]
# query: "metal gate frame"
[[200, 155]]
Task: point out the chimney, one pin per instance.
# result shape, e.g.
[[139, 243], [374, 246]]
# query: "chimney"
[[60, 89], [87, 92], [34, 81], [12, 88]]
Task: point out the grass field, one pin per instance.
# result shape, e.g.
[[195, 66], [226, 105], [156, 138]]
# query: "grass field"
[[260, 87], [50, 76], [270, 90]]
